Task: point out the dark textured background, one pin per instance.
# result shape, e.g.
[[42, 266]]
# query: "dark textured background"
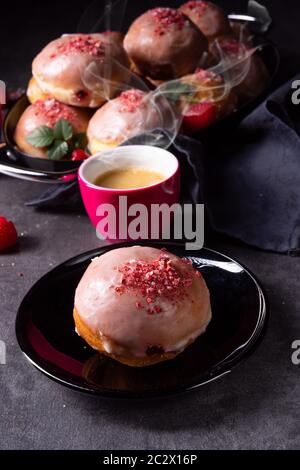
[[255, 407]]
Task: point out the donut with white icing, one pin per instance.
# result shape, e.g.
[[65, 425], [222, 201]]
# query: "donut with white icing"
[[131, 113], [141, 305], [47, 113], [82, 69]]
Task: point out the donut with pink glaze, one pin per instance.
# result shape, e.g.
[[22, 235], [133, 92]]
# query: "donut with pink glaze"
[[73, 68], [140, 305], [131, 113]]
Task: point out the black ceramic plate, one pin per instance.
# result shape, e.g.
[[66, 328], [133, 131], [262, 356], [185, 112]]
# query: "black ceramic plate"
[[45, 331]]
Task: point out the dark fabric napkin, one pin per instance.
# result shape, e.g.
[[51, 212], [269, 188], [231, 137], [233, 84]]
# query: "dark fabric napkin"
[[248, 178], [252, 177]]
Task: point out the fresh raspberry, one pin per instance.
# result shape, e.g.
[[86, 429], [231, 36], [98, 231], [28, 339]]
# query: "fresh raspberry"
[[198, 116], [79, 154], [8, 234]]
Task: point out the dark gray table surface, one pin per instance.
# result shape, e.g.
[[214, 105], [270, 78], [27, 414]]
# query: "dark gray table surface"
[[256, 406]]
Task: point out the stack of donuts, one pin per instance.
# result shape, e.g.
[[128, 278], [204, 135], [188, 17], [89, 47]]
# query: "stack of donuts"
[[184, 58]]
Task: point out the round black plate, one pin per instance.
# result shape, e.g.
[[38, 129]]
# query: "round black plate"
[[45, 331]]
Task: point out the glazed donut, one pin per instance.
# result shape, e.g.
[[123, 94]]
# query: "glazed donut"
[[130, 114], [140, 305], [73, 69], [164, 44], [255, 76], [47, 112], [203, 98], [208, 17]]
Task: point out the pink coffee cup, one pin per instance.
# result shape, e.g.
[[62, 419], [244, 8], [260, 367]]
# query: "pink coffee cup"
[[100, 201]]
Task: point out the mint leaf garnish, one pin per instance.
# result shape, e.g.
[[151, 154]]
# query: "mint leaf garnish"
[[42, 136], [59, 141], [174, 89], [57, 150], [63, 130]]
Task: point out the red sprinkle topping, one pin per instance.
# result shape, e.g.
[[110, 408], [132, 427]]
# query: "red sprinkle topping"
[[167, 19], [198, 7], [130, 100], [156, 279], [54, 110], [154, 349], [82, 44], [206, 76]]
